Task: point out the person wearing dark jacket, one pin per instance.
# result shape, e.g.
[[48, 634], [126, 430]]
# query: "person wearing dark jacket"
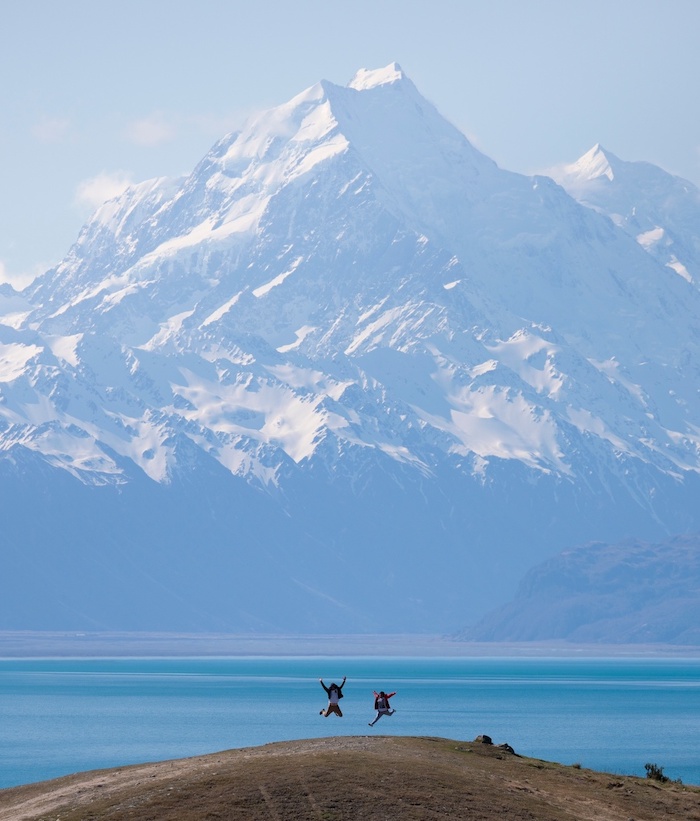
[[382, 706], [335, 693]]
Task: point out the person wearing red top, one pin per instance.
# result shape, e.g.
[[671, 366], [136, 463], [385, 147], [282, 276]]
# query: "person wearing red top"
[[382, 706]]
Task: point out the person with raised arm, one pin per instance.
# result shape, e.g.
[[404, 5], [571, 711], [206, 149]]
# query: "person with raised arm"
[[335, 693], [381, 705]]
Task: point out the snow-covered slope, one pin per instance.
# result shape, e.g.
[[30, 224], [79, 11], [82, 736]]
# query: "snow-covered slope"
[[383, 375]]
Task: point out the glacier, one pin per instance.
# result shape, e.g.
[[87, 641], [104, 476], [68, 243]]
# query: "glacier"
[[348, 375]]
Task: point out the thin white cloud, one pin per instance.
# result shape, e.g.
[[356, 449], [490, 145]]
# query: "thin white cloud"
[[96, 190], [150, 131], [19, 281], [50, 129], [218, 125]]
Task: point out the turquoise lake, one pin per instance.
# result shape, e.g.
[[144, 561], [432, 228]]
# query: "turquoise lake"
[[64, 716]]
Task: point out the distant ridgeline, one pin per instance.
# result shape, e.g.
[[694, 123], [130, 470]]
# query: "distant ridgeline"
[[626, 593], [347, 375]]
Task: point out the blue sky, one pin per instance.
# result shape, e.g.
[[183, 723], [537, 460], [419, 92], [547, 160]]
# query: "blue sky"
[[95, 94]]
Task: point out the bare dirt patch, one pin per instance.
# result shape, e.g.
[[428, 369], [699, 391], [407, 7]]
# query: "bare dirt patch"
[[342, 779]]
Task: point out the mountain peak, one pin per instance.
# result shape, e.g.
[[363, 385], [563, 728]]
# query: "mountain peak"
[[597, 165], [594, 164], [371, 78]]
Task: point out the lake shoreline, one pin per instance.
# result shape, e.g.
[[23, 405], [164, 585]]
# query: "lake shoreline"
[[27, 644]]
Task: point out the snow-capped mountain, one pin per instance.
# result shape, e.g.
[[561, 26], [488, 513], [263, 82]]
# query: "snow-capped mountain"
[[346, 375], [660, 211]]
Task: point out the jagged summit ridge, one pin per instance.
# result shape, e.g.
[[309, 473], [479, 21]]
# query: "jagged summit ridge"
[[371, 78], [222, 201]]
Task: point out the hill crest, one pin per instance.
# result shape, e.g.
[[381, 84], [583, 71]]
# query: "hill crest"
[[353, 777]]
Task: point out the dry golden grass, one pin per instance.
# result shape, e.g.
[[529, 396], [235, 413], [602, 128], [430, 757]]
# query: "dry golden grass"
[[347, 778]]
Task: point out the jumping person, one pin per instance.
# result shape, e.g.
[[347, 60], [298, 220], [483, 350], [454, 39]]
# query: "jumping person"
[[335, 693], [381, 705]]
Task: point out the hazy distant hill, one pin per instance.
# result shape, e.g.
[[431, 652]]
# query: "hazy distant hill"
[[623, 593]]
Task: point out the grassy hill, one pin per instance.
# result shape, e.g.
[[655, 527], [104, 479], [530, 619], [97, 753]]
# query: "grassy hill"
[[347, 778]]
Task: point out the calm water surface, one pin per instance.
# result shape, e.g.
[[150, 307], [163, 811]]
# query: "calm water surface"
[[64, 716]]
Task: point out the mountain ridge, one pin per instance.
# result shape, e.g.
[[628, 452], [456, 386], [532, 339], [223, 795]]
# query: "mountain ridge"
[[353, 320], [659, 210]]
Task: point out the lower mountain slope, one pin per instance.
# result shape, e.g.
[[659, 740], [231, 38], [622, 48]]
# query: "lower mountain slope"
[[361, 549]]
